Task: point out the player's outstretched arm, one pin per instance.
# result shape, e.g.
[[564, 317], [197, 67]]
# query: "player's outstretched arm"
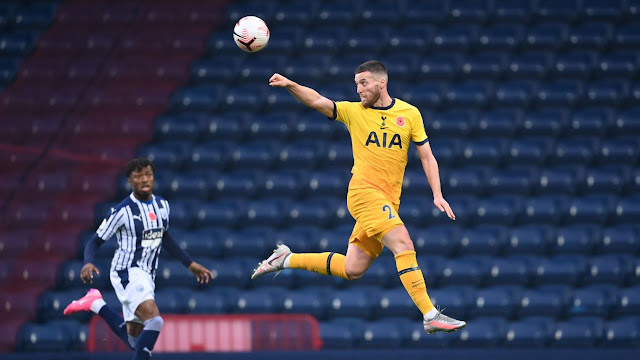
[[430, 167], [305, 95], [202, 273]]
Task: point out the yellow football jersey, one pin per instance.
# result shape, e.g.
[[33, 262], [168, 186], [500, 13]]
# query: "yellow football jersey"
[[380, 139]]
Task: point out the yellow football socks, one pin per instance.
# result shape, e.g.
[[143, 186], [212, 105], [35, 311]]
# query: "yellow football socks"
[[326, 263], [413, 281]]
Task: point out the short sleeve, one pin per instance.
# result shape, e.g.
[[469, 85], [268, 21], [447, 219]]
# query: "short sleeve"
[[418, 133], [111, 223]]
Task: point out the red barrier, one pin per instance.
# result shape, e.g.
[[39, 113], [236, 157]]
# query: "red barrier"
[[216, 333]]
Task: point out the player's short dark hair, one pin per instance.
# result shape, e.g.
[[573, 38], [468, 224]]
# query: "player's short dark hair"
[[373, 66], [137, 165]]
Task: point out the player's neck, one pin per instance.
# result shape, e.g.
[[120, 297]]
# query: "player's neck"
[[384, 101]]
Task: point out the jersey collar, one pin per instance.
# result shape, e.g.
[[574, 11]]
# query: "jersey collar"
[[133, 197], [393, 101]]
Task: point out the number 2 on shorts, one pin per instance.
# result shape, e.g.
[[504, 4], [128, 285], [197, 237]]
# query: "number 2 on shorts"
[[387, 207]]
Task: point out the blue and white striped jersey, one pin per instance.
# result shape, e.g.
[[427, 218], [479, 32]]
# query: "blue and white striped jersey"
[[139, 227]]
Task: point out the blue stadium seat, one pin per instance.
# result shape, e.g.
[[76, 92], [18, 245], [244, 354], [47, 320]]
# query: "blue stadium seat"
[[606, 92], [220, 213], [575, 239], [500, 36], [409, 37], [174, 273], [454, 37], [335, 13], [488, 65], [576, 150], [628, 300], [52, 303], [395, 303], [275, 126], [607, 269], [285, 39], [494, 301], [547, 36], [571, 334], [381, 274], [589, 301], [621, 333], [529, 239], [310, 212], [475, 94], [187, 186], [524, 334], [351, 302], [487, 332], [557, 181], [43, 338], [292, 15], [456, 299], [207, 302], [323, 183], [560, 269], [171, 299], [590, 122], [162, 156], [463, 181], [250, 241], [510, 182], [368, 37], [198, 98], [499, 122], [176, 128], [548, 10], [559, 93], [423, 94], [453, 122], [627, 211], [616, 65], [325, 39], [482, 152], [483, 239], [437, 240], [591, 35], [601, 11], [528, 66], [242, 97], [627, 122], [299, 156], [618, 151], [215, 70], [280, 184], [336, 336], [413, 210], [258, 301], [507, 271], [593, 209], [229, 273], [235, 185], [311, 128], [416, 338], [213, 155], [224, 126], [469, 11], [626, 36], [304, 302], [540, 303], [439, 66], [206, 241], [254, 156], [545, 122], [622, 239], [381, 334], [460, 271], [78, 332], [517, 11]]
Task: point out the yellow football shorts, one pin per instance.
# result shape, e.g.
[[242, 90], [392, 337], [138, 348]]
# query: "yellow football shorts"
[[375, 216]]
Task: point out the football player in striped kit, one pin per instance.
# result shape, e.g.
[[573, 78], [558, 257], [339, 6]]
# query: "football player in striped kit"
[[140, 223]]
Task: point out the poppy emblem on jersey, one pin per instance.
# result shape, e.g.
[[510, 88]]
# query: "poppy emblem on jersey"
[[400, 121], [152, 216]]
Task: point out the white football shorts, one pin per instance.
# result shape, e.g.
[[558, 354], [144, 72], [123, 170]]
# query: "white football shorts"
[[133, 287]]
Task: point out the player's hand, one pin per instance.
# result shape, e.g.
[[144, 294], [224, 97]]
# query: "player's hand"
[[278, 80], [202, 273], [86, 274], [443, 205]]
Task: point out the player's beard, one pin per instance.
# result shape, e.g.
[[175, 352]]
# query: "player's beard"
[[369, 101]]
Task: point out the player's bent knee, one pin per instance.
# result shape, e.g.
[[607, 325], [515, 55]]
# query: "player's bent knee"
[[354, 274], [155, 323]]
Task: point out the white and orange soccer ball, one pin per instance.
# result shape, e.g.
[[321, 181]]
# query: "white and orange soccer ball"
[[251, 34]]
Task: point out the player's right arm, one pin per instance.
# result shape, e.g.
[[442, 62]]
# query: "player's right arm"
[[107, 228], [305, 95]]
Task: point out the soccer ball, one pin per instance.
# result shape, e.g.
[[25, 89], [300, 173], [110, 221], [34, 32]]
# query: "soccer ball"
[[251, 34]]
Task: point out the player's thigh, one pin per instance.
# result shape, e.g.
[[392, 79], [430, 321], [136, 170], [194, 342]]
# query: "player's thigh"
[[147, 310], [374, 211], [357, 261]]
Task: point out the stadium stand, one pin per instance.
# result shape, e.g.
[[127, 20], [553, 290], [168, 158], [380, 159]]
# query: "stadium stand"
[[532, 111]]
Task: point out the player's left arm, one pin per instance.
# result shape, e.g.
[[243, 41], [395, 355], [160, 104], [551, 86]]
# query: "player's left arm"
[[170, 244], [430, 167]]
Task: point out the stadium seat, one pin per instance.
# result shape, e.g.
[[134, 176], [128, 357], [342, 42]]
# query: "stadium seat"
[[618, 151], [547, 36], [621, 333], [560, 269], [599, 11], [524, 334], [626, 211], [528, 239], [336, 336], [500, 36], [547, 10], [512, 11], [589, 301], [409, 37], [626, 36], [571, 334], [484, 239], [606, 269], [395, 303], [229, 273], [258, 301], [456, 299], [540, 303], [621, 239], [474, 94], [256, 155], [304, 302], [576, 239], [42, 338], [507, 271], [351, 302], [494, 301], [454, 37], [482, 152], [487, 333], [381, 334], [628, 301], [437, 240], [460, 272]]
